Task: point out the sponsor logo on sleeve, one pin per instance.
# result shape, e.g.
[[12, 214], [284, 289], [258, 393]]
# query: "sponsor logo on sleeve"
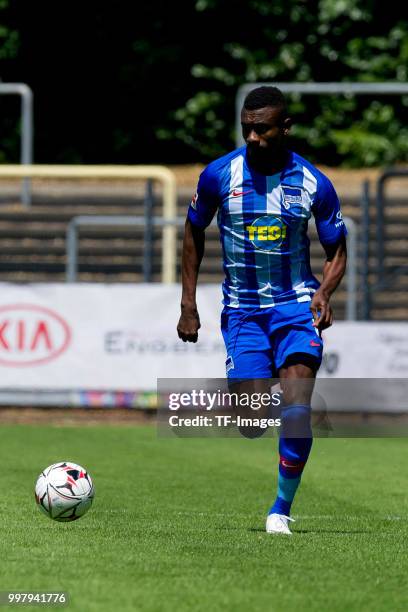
[[229, 364], [340, 221], [194, 201]]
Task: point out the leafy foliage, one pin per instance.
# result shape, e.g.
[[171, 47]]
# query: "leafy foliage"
[[9, 44], [299, 41], [110, 88], [9, 38]]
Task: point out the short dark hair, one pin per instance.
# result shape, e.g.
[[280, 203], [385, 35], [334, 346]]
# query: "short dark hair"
[[265, 95]]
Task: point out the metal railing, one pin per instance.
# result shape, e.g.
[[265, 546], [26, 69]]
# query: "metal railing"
[[365, 251], [159, 173], [110, 221], [385, 277], [386, 176], [26, 142], [351, 271]]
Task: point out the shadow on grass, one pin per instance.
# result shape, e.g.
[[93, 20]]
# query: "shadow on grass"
[[342, 531], [317, 531]]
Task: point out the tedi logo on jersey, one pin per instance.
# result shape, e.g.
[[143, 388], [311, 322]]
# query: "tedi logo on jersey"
[[266, 233], [291, 195]]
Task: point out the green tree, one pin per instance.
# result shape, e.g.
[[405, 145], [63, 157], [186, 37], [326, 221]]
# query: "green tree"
[[9, 39], [9, 42], [303, 40]]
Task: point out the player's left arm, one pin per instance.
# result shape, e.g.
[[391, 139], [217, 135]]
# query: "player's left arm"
[[332, 234], [333, 271]]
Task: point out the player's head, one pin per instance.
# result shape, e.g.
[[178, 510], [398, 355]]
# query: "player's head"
[[264, 119]]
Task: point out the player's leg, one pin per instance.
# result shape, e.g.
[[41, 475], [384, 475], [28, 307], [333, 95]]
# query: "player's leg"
[[247, 404], [295, 439], [248, 365], [298, 352]]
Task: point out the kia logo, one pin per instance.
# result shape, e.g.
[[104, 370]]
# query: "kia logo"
[[30, 335]]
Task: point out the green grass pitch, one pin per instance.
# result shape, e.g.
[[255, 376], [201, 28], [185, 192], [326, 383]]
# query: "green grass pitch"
[[178, 524]]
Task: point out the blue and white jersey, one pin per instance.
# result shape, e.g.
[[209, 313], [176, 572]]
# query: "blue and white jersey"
[[263, 227]]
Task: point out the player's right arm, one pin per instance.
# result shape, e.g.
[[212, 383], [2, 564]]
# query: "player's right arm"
[[200, 213], [193, 251]]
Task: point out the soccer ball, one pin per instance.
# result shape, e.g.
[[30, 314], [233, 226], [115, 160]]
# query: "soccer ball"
[[64, 491]]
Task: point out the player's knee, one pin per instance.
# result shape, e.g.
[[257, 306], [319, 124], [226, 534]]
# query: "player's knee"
[[295, 421]]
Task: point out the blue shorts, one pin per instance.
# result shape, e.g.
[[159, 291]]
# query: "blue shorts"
[[260, 340]]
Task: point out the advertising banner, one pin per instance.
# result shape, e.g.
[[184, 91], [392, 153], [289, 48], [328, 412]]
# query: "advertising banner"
[[123, 338]]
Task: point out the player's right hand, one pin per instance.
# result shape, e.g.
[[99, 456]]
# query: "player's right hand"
[[188, 325], [321, 310]]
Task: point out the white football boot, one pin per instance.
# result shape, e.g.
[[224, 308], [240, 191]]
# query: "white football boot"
[[278, 523]]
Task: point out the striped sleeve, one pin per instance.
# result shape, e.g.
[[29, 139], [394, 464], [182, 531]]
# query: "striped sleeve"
[[206, 200], [326, 210]]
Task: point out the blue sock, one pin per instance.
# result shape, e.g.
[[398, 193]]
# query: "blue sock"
[[294, 453]]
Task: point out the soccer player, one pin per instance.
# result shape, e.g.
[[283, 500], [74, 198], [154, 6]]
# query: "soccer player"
[[274, 308]]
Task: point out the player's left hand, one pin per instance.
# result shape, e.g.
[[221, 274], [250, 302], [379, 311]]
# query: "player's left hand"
[[321, 310]]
